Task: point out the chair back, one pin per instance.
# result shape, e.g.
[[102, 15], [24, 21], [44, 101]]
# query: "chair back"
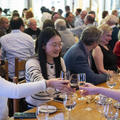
[[19, 66], [5, 69]]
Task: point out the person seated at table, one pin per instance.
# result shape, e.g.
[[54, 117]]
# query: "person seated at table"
[[104, 61], [77, 58], [32, 29], [12, 90], [90, 89], [46, 65], [67, 36], [46, 23]]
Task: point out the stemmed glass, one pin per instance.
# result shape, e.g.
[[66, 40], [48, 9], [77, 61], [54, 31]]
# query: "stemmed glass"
[[81, 82], [70, 102], [111, 82], [74, 78]]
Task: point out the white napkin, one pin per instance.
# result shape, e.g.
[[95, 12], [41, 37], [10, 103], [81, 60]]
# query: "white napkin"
[[59, 116]]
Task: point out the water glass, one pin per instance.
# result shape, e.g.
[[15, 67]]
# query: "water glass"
[[70, 102], [42, 115], [81, 82], [65, 75]]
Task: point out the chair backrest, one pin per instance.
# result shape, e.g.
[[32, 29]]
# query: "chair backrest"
[[16, 102], [5, 69], [19, 66]]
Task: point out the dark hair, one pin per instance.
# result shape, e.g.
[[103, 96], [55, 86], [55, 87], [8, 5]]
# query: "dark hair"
[[91, 12], [67, 8], [25, 9], [48, 23], [104, 14], [90, 35], [0, 9], [79, 10], [67, 14], [90, 18], [44, 9], [16, 23], [60, 11], [45, 35], [15, 14]]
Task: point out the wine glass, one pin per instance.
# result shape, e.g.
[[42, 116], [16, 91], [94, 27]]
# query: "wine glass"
[[81, 82], [42, 115], [111, 82], [74, 78], [70, 102]]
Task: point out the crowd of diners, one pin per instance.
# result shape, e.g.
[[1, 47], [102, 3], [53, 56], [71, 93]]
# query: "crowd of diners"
[[70, 42]]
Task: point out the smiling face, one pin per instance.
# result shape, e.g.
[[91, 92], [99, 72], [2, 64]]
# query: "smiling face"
[[53, 47], [106, 37]]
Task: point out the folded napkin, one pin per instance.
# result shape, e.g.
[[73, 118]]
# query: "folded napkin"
[[59, 116]]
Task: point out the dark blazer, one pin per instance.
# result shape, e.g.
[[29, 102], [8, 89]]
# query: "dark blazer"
[[114, 37], [76, 60]]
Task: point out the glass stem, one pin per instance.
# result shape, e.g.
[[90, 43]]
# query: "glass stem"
[[68, 114]]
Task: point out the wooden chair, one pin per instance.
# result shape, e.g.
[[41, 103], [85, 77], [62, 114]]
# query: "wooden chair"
[[19, 66], [5, 68]]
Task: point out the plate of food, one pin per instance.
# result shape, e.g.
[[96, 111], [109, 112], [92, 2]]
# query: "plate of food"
[[47, 108]]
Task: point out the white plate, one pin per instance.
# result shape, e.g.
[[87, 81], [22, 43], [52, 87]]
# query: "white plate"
[[47, 108]]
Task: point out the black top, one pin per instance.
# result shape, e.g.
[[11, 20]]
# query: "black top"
[[32, 33], [109, 60], [114, 37]]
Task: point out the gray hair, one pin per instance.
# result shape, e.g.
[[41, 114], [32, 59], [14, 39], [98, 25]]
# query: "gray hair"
[[90, 35], [30, 20], [60, 24]]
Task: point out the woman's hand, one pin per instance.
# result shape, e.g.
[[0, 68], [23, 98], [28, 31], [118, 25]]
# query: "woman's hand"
[[89, 89], [62, 85]]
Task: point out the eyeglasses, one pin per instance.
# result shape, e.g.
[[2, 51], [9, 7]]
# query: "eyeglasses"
[[54, 44]]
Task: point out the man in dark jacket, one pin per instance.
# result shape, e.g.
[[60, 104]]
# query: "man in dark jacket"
[[77, 58]]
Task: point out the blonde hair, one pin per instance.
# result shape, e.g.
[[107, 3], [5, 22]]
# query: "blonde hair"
[[105, 28], [111, 20], [29, 14]]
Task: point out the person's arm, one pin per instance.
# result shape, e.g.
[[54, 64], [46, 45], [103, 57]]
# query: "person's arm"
[[12, 90], [91, 89], [98, 58]]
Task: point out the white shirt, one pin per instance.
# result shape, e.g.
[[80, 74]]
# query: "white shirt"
[[11, 90], [16, 44]]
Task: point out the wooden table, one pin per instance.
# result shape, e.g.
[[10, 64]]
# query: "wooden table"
[[81, 111]]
